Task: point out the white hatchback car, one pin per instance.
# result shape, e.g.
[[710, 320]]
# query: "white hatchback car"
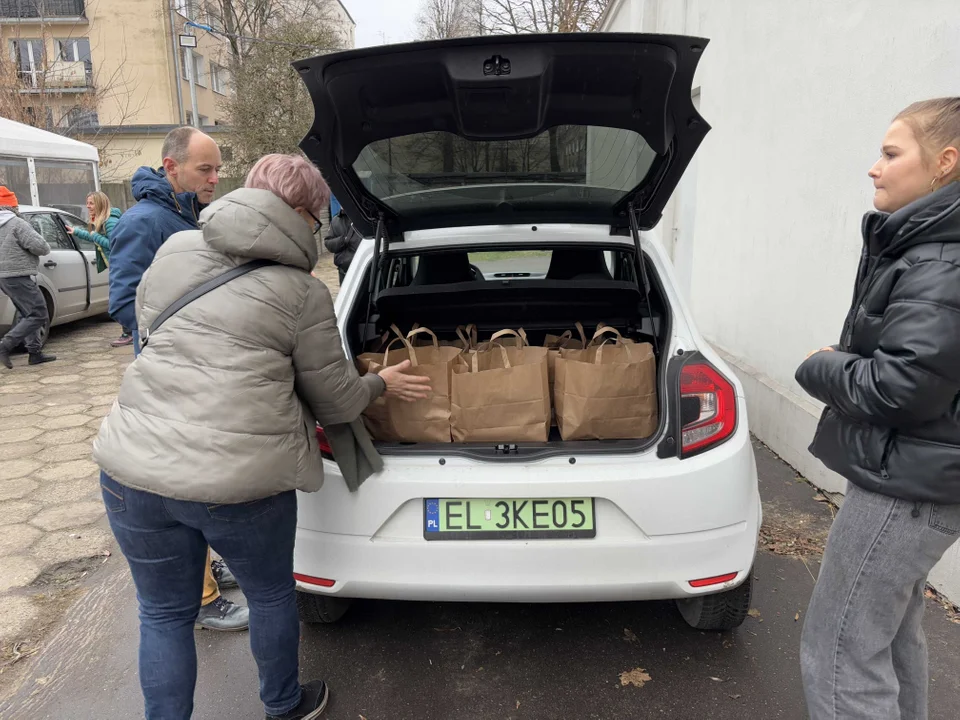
[[508, 182]]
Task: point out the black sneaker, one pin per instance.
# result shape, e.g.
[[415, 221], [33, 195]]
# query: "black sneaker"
[[313, 701], [39, 358], [5, 359], [223, 576]]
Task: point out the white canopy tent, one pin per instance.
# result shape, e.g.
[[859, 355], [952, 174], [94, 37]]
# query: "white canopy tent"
[[44, 168]]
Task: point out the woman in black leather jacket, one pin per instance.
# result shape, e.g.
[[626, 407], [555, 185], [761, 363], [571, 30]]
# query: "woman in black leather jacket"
[[891, 427]]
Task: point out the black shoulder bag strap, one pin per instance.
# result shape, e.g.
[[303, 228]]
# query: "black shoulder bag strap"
[[202, 290]]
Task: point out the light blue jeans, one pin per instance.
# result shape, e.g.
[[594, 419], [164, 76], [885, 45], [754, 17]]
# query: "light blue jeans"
[[863, 653]]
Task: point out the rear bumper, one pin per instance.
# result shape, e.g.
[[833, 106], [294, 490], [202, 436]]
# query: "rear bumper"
[[660, 525], [534, 571]]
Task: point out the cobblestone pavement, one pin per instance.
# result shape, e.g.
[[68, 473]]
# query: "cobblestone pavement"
[[52, 525]]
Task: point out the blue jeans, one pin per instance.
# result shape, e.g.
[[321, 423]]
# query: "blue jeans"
[[165, 543], [136, 342]]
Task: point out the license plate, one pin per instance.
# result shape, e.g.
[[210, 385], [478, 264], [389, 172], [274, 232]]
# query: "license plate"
[[514, 519]]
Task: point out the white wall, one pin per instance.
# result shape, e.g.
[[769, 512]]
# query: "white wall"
[[799, 94]]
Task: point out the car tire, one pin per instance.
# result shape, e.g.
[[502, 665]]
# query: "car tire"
[[722, 611], [45, 330], [321, 608]]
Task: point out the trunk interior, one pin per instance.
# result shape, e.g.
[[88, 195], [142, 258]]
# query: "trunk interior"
[[544, 291]]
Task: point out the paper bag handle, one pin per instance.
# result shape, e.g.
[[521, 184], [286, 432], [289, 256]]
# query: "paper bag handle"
[[386, 352], [468, 336], [417, 330], [410, 350], [583, 335], [521, 334], [475, 363]]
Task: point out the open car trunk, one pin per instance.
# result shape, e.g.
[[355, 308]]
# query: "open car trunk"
[[544, 291]]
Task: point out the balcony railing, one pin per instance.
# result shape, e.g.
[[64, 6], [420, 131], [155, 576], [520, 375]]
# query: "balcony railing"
[[42, 9]]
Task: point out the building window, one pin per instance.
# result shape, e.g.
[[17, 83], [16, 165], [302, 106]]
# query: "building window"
[[28, 54], [76, 50], [218, 78], [197, 68], [79, 118]]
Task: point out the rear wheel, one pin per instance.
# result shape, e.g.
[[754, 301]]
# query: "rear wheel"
[[722, 611], [321, 608]]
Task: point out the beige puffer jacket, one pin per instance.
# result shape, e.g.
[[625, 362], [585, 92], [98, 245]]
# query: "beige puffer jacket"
[[221, 405]]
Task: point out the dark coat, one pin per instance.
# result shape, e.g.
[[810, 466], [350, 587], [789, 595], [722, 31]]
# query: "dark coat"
[[892, 388], [342, 240], [158, 214]]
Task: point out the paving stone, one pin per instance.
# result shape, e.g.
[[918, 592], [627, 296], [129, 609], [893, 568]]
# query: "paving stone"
[[72, 491], [67, 515], [61, 422], [12, 399], [19, 421], [21, 410], [17, 571], [16, 435], [70, 435], [103, 399], [19, 613], [13, 512], [99, 364], [16, 388], [12, 451], [13, 469], [73, 470], [62, 453], [61, 410], [67, 545], [15, 489], [14, 539], [59, 379]]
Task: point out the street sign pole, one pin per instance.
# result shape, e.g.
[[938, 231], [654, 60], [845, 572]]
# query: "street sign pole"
[[188, 43]]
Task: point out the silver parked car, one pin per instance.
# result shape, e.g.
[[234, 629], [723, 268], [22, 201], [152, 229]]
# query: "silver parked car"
[[68, 278]]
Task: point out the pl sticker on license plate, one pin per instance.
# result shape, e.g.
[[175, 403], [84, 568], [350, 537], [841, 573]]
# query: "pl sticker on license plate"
[[513, 519]]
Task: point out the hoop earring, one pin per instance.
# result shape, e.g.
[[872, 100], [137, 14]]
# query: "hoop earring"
[[934, 182]]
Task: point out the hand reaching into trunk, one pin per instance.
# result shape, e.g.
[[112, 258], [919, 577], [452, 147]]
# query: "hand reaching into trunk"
[[409, 388]]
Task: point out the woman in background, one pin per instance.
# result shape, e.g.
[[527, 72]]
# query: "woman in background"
[[103, 219]]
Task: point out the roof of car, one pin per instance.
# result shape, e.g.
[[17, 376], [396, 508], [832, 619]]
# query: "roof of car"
[[38, 208]]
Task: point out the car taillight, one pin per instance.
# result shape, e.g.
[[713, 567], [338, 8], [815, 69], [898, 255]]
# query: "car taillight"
[[713, 403], [325, 448]]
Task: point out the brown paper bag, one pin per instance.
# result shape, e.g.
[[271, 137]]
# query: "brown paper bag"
[[501, 394], [427, 420], [606, 391]]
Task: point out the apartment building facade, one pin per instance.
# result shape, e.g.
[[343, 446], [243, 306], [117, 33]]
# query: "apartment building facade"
[[112, 72]]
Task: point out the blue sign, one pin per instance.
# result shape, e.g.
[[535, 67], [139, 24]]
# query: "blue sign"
[[433, 515]]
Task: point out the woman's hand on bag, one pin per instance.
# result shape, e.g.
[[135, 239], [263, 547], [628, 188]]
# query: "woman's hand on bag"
[[826, 349], [403, 386]]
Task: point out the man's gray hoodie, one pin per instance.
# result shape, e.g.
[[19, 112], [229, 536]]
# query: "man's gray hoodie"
[[21, 247]]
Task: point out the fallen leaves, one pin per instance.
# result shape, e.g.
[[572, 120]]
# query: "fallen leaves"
[[637, 677], [755, 614], [953, 611], [630, 636], [796, 617]]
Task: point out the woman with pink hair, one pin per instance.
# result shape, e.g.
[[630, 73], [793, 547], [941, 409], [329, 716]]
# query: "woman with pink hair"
[[213, 431]]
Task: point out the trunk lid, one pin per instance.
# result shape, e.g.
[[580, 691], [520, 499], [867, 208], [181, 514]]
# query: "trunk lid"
[[505, 129]]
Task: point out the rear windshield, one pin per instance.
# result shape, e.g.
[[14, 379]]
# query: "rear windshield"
[[578, 164]]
